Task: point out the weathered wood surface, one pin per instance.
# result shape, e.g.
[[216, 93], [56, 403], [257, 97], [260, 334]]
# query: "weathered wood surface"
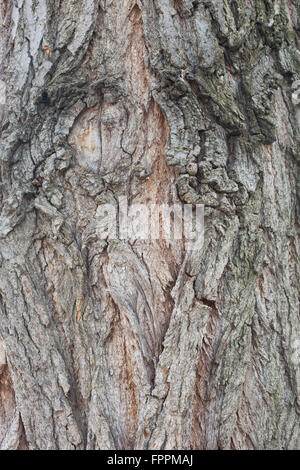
[[113, 345]]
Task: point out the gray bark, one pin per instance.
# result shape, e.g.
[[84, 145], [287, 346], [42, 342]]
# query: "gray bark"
[[118, 345]]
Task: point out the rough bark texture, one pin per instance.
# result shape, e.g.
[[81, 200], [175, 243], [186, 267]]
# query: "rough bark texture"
[[113, 345]]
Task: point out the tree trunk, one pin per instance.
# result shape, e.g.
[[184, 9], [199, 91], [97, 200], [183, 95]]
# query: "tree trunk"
[[131, 344]]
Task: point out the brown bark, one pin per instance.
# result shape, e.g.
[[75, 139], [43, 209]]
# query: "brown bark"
[[109, 344]]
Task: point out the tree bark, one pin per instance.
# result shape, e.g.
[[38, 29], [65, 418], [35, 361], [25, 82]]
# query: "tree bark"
[[109, 344]]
